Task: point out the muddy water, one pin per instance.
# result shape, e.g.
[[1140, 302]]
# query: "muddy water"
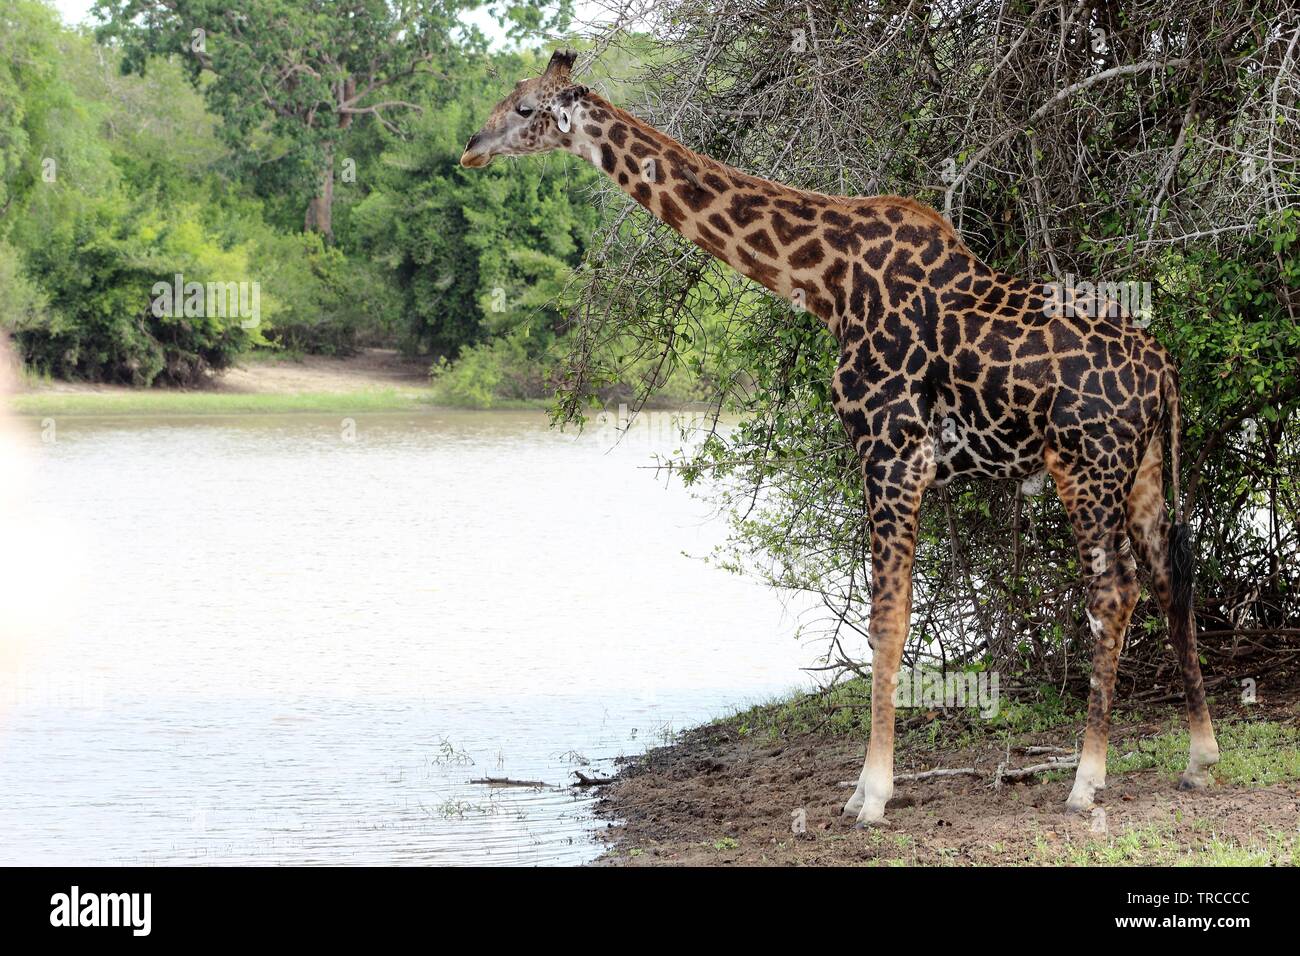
[[295, 639]]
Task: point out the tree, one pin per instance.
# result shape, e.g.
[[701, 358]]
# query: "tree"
[[289, 77], [31, 91], [1146, 141]]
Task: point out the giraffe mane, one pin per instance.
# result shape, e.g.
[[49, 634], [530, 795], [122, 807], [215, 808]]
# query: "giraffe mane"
[[913, 206], [917, 208]]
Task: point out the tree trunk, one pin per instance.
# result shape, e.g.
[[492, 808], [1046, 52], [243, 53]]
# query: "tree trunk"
[[320, 211]]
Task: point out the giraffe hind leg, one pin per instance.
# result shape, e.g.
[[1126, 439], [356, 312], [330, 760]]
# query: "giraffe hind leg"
[[1151, 531]]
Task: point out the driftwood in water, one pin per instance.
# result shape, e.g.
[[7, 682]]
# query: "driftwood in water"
[[585, 781], [507, 782]]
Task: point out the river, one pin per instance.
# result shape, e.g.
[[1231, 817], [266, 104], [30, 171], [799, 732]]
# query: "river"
[[295, 639]]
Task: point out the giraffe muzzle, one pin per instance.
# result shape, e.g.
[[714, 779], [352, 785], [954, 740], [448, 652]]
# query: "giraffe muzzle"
[[475, 156]]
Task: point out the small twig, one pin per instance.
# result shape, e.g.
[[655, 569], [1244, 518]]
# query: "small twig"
[[926, 775], [1016, 775]]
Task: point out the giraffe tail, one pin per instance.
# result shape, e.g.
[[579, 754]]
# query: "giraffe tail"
[[1182, 566]]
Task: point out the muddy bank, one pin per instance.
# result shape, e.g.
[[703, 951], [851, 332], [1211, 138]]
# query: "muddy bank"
[[725, 794]]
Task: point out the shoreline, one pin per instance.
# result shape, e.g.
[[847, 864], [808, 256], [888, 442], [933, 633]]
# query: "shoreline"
[[735, 791], [374, 381], [204, 404]]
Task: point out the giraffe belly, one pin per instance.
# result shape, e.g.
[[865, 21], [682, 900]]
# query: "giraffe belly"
[[1008, 449]]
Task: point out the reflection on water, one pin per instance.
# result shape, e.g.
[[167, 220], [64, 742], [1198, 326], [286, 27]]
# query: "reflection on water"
[[295, 639]]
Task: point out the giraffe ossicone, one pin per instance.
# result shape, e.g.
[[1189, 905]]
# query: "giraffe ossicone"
[[934, 345]]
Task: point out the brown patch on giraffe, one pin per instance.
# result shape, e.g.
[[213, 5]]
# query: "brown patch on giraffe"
[[807, 255], [745, 208], [804, 210], [669, 211], [710, 239], [788, 233], [759, 240], [607, 160], [694, 196]]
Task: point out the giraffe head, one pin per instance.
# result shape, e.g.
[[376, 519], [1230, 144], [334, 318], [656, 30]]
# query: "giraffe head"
[[536, 117]]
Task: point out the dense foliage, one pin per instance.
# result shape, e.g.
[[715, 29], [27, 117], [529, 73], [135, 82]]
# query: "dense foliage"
[[146, 151], [1135, 141]]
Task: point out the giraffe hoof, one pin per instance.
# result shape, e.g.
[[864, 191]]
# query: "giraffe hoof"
[[869, 815], [1079, 804], [1195, 780]]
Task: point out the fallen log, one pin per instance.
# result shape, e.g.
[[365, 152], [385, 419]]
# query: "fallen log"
[[585, 781], [507, 782], [927, 774]]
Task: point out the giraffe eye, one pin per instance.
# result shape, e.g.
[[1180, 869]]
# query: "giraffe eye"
[[525, 111]]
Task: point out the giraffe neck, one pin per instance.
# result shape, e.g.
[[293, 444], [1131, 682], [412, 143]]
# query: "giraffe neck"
[[749, 223], [846, 259]]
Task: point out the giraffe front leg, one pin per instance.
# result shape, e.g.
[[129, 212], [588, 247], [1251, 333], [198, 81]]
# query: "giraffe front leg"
[[894, 508], [888, 630]]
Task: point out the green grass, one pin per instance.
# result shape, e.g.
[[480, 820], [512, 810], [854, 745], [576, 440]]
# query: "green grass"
[[1252, 753], [1160, 845], [845, 711], [164, 402]]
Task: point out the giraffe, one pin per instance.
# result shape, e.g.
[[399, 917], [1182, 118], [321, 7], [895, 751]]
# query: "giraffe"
[[946, 369]]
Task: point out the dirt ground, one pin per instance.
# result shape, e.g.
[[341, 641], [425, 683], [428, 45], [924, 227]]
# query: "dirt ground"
[[719, 798], [368, 369]]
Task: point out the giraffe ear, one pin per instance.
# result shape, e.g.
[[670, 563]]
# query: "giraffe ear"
[[563, 119], [561, 63]]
